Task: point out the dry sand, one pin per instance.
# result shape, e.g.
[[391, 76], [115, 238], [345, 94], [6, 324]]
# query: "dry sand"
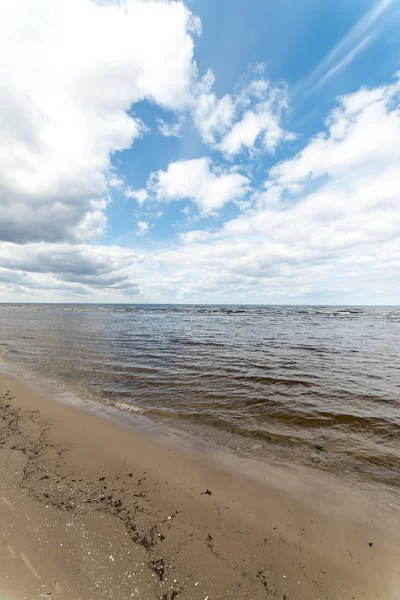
[[93, 510]]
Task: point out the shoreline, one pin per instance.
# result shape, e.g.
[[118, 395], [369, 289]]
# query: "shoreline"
[[201, 436], [91, 509]]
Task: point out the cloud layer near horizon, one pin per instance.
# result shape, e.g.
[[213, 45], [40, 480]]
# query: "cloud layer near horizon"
[[327, 219]]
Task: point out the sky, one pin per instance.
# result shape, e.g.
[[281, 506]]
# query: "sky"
[[213, 151]]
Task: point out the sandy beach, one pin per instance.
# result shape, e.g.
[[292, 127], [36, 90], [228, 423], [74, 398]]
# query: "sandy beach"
[[93, 510]]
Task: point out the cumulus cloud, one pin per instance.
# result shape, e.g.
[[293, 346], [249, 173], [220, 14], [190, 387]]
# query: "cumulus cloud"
[[198, 180], [70, 73], [171, 129], [212, 116], [235, 122], [115, 182], [328, 220], [142, 227], [245, 132], [362, 139], [139, 195], [198, 235]]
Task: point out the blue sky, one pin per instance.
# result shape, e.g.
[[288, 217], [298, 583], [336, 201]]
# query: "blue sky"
[[292, 40], [250, 199]]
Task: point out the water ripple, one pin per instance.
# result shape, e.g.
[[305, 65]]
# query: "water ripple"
[[295, 378]]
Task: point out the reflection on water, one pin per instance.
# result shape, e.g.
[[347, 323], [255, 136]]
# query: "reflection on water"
[[316, 385]]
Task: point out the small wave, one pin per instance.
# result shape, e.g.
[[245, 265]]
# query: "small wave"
[[128, 407], [282, 374]]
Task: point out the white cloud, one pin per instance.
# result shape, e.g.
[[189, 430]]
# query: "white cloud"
[[187, 210], [244, 133], [326, 225], [199, 181], [346, 60], [326, 221], [346, 49], [171, 129], [212, 116], [69, 74], [193, 237], [142, 227], [115, 182], [60, 269], [139, 195], [362, 139], [234, 123]]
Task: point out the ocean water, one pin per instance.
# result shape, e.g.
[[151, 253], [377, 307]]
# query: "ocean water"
[[312, 385]]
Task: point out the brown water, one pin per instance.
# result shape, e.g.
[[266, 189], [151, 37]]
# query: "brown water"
[[317, 385]]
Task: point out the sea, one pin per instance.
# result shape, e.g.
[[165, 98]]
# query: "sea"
[[312, 385]]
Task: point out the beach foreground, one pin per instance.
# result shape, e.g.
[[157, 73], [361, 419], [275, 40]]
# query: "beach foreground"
[[92, 510]]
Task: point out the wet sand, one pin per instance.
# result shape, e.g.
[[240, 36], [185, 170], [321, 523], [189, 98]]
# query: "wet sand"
[[93, 510]]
